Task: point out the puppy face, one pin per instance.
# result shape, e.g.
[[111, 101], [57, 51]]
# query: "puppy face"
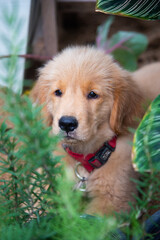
[[85, 94], [79, 104]]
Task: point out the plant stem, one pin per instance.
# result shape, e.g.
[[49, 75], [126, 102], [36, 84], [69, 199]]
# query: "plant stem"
[[29, 56], [118, 45]]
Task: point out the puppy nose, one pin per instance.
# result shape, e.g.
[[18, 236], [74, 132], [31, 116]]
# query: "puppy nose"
[[68, 123]]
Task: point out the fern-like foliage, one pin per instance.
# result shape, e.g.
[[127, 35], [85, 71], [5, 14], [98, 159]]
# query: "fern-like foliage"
[[26, 160]]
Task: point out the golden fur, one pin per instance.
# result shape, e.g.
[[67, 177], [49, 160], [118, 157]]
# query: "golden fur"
[[76, 72]]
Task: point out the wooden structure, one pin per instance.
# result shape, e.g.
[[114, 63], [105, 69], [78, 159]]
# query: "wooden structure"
[[50, 11]]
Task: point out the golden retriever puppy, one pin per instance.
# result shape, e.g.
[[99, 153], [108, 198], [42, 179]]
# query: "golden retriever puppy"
[[91, 101]]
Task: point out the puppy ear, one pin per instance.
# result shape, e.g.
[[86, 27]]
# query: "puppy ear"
[[39, 96], [127, 106]]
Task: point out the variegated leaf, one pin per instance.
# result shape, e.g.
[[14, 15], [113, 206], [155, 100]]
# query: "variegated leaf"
[[146, 144], [144, 9]]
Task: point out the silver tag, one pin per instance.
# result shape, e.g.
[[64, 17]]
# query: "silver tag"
[[81, 185]]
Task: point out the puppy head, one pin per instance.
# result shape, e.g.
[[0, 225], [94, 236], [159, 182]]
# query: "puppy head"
[[86, 95]]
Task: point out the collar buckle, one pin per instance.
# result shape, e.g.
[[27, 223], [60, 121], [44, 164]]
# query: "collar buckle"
[[102, 156]]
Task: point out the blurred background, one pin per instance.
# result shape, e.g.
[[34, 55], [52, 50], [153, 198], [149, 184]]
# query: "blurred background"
[[55, 24], [51, 25]]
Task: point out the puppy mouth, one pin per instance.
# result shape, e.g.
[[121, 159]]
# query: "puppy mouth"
[[68, 141], [69, 136]]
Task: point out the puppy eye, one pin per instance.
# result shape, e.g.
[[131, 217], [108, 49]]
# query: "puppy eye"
[[92, 95], [58, 93]]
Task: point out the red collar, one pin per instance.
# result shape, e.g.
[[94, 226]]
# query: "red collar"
[[97, 159]]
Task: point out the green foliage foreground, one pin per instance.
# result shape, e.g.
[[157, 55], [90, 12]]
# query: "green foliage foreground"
[[37, 201]]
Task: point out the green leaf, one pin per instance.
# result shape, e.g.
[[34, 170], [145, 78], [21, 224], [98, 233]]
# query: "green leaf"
[[146, 145], [102, 32], [124, 46], [135, 42], [148, 9], [3, 129], [126, 59]]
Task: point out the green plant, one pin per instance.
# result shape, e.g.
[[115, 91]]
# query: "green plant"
[[37, 201], [27, 159], [11, 42], [36, 198], [124, 46]]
